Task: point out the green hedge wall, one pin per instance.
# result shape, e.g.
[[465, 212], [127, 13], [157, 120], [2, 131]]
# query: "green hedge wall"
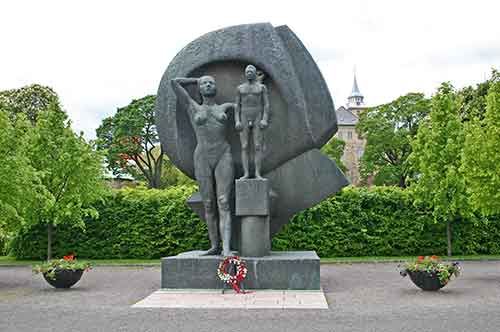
[[379, 221], [132, 223]]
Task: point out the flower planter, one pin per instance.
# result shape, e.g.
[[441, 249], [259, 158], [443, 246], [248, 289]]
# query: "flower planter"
[[429, 273], [64, 278], [425, 280]]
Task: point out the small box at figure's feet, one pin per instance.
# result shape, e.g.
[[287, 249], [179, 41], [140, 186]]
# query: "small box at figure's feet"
[[252, 197]]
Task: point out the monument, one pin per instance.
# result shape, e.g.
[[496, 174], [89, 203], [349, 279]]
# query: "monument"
[[256, 174]]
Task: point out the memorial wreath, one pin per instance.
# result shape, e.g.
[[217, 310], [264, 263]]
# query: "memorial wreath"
[[233, 280]]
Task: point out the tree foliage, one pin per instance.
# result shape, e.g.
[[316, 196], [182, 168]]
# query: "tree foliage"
[[481, 164], [70, 171], [436, 156], [474, 98], [335, 149], [172, 176], [30, 100], [389, 130], [130, 141], [20, 187]]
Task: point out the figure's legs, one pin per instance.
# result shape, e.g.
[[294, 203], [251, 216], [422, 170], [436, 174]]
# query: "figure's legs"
[[224, 178], [244, 152], [258, 142], [206, 185]]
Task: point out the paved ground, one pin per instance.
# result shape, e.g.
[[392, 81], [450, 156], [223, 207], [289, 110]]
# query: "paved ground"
[[254, 299], [361, 297]]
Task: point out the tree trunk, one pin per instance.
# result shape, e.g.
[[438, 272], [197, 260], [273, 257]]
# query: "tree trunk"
[[156, 178], [50, 231], [448, 235], [402, 182]]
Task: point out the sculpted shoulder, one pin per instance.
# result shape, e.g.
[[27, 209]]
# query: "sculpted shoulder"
[[241, 87]]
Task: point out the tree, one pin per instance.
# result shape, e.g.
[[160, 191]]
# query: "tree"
[[474, 98], [436, 156], [30, 100], [335, 149], [70, 171], [20, 187], [129, 139], [389, 130], [481, 164]]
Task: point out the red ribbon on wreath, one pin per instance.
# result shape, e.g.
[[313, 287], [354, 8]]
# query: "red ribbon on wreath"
[[233, 280]]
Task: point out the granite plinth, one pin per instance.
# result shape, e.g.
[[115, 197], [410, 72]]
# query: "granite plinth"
[[255, 237], [280, 270], [252, 197]]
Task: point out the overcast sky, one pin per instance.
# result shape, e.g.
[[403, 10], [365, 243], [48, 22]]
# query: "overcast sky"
[[99, 55]]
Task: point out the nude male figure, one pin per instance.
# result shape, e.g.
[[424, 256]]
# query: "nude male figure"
[[251, 118], [213, 161]]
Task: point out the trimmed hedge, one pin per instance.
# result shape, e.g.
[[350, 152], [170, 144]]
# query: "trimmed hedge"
[[379, 221], [132, 223], [382, 221]]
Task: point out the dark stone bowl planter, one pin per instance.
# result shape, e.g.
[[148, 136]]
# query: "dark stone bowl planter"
[[425, 280], [64, 278]]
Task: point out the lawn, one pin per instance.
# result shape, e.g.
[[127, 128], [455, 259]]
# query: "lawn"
[[10, 261]]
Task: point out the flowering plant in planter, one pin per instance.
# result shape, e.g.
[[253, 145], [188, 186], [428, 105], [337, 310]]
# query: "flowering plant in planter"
[[425, 268], [67, 263]]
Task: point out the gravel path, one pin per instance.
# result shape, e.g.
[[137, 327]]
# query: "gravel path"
[[361, 297]]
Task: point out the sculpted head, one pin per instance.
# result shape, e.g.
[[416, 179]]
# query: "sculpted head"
[[207, 86], [251, 72]]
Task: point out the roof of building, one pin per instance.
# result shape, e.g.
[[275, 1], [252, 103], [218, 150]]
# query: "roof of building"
[[345, 117]]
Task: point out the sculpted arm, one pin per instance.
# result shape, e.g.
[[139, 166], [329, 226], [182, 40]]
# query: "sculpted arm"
[[178, 86], [228, 106], [180, 91], [237, 110], [265, 113]]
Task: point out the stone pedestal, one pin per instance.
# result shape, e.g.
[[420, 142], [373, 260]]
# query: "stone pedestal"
[[252, 206], [278, 270], [255, 238], [252, 197]]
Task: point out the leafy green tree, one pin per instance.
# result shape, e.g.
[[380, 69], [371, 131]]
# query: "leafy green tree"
[[474, 98], [70, 171], [481, 164], [335, 149], [389, 130], [29, 100], [436, 155], [130, 140], [20, 187]]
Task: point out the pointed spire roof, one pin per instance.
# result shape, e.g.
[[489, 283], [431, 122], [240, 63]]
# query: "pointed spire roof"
[[355, 89]]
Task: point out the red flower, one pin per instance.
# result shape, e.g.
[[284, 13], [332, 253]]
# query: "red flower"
[[69, 257], [421, 258], [124, 156], [434, 257]]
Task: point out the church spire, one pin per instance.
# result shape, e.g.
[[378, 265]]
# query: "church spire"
[[356, 97], [355, 89]]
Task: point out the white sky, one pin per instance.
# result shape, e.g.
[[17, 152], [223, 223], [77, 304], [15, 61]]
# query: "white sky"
[[99, 55]]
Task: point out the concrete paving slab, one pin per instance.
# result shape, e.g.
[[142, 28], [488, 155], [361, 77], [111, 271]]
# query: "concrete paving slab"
[[215, 299]]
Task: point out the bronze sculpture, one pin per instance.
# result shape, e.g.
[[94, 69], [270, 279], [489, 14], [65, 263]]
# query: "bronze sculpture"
[[251, 118], [213, 162]]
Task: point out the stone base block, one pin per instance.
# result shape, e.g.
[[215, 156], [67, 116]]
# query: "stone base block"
[[279, 270], [252, 197], [255, 238]]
